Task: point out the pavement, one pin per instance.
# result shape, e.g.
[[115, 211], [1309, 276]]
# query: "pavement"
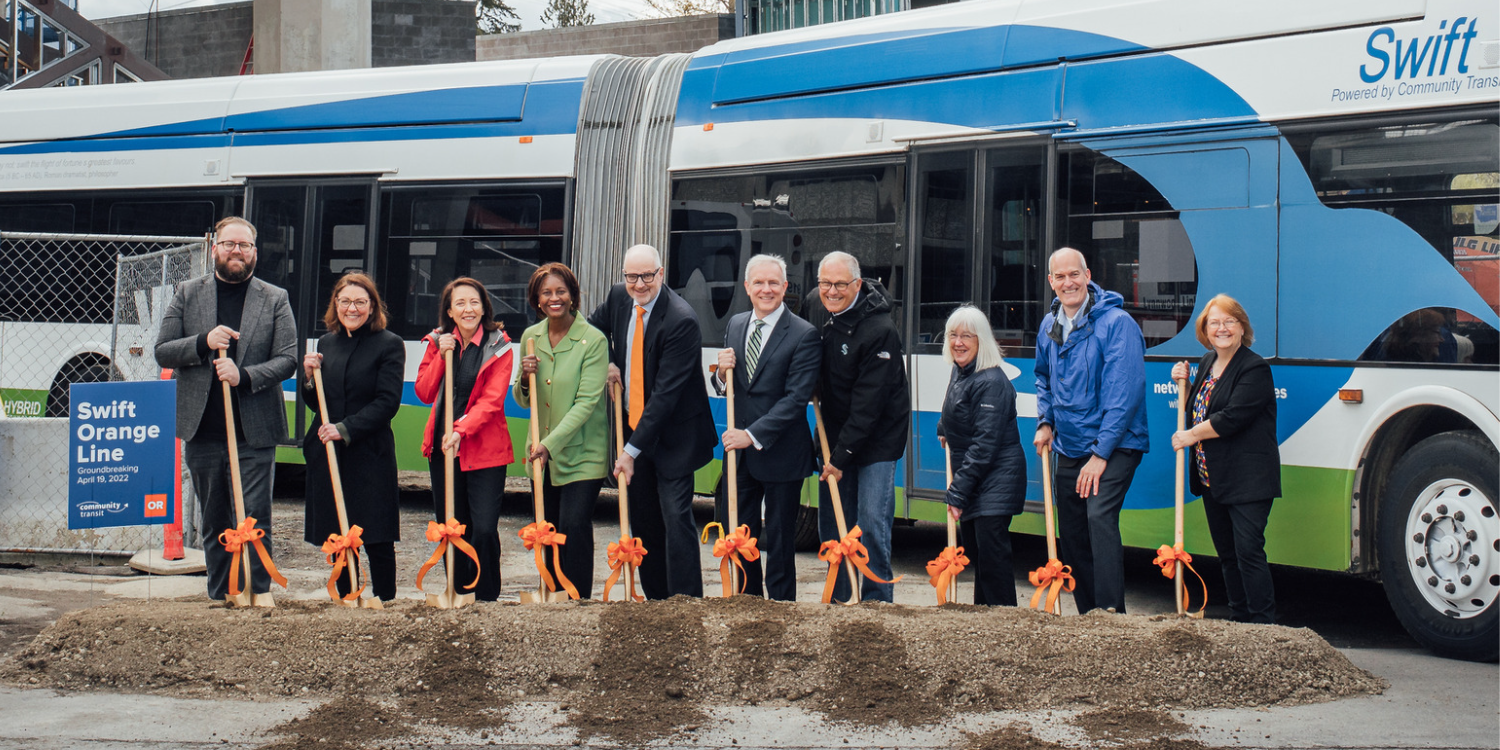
[[1431, 703]]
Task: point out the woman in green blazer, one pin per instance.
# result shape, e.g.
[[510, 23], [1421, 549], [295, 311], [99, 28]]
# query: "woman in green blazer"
[[571, 362]]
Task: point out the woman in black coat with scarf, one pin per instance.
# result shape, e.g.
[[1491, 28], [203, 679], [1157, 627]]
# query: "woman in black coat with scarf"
[[1235, 464], [362, 365], [979, 429]]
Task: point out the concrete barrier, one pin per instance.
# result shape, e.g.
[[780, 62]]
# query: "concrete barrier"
[[34, 496]]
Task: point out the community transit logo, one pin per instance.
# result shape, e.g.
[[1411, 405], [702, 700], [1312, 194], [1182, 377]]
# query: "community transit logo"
[[1436, 60]]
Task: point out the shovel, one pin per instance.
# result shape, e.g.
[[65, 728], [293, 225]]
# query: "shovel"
[[448, 599], [838, 504], [628, 551], [336, 479], [245, 598], [546, 590], [1173, 559], [1054, 575], [952, 524]]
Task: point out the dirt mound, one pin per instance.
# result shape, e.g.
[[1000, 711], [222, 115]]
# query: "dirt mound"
[[638, 671], [1119, 723]]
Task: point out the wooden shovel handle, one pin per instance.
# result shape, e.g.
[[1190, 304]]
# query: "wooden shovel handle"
[[448, 464], [731, 475], [1047, 510], [838, 503], [334, 477], [538, 467], [1181, 479]]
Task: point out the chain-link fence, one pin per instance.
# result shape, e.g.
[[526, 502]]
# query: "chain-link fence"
[[73, 309]]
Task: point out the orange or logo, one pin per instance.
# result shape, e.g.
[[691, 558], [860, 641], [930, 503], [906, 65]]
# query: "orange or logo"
[[156, 506]]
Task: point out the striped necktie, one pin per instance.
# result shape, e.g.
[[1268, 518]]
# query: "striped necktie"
[[752, 351]]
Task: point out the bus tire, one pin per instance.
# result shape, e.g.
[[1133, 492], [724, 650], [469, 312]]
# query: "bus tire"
[[806, 537], [87, 368], [1439, 545]]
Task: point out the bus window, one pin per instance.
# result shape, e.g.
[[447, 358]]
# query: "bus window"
[[162, 218], [718, 222], [1438, 178], [496, 235], [1015, 282], [38, 217], [945, 242], [1133, 240]]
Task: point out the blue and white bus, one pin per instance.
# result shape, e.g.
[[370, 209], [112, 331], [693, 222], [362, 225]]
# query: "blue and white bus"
[[1335, 167]]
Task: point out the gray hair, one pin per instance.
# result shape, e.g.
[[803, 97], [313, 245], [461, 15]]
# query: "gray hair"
[[1083, 263], [969, 318], [838, 256], [763, 259], [641, 249]]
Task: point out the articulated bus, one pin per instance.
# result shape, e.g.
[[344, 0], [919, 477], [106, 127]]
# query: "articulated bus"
[[1335, 167]]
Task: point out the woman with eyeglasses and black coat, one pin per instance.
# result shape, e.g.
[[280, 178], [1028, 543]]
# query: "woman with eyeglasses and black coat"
[[1234, 463], [362, 366]]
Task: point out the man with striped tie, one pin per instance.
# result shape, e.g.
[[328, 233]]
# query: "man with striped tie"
[[774, 356], [655, 347]]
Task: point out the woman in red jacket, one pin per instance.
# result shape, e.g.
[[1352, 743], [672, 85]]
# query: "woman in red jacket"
[[480, 437]]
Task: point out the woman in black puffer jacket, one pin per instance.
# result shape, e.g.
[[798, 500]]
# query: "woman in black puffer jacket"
[[989, 468]]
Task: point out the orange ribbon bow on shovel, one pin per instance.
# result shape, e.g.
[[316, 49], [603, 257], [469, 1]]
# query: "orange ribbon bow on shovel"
[[834, 552], [445, 534], [537, 535], [737, 546], [624, 552], [1054, 578], [1167, 557], [234, 540], [944, 569], [343, 550]]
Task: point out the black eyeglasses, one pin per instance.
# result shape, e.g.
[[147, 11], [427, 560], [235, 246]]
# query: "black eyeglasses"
[[241, 246], [633, 278], [839, 285]]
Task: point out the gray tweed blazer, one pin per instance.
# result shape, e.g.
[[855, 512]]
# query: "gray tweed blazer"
[[267, 353]]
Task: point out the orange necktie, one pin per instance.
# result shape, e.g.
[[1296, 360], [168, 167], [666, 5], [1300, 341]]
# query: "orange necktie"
[[638, 368]]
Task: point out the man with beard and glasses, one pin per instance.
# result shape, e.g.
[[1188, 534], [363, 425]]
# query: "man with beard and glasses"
[[232, 310]]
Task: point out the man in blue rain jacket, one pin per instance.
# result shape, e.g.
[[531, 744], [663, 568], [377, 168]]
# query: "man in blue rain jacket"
[[1090, 405]]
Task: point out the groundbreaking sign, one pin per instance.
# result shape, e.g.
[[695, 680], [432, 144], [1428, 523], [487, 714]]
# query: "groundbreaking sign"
[[121, 469]]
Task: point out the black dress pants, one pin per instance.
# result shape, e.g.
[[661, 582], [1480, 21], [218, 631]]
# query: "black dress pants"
[[986, 542], [476, 505], [1090, 529], [661, 514], [208, 460], [775, 535], [382, 582], [570, 507], [1239, 534]]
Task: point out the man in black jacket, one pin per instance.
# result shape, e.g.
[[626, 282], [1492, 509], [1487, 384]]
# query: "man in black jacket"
[[866, 410], [655, 350]]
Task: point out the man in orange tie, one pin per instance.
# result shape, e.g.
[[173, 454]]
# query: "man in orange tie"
[[655, 350]]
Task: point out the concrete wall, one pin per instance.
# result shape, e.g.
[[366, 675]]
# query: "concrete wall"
[[299, 35], [188, 43], [630, 38], [421, 32], [34, 493]]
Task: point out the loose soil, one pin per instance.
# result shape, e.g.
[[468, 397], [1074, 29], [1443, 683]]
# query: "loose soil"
[[634, 672], [1124, 723]]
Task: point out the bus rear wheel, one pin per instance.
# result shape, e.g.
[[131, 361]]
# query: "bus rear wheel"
[[1439, 545], [89, 368]]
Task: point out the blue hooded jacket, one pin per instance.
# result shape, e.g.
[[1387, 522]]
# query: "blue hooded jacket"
[[1092, 388]]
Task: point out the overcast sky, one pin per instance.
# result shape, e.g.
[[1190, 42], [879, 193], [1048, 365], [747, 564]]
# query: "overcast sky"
[[604, 11]]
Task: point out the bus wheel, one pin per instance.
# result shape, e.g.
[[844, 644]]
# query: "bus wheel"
[[806, 536], [89, 368], [1439, 544]]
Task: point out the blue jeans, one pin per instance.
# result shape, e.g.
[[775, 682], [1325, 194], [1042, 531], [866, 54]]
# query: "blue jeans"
[[869, 500]]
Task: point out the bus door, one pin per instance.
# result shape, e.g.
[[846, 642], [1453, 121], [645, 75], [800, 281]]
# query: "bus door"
[[978, 235], [310, 232]]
